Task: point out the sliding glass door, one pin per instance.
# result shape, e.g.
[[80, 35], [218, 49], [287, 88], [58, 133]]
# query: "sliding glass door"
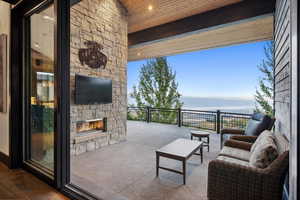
[[40, 87], [40, 92]]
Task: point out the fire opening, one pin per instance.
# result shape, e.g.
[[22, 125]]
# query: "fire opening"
[[91, 125]]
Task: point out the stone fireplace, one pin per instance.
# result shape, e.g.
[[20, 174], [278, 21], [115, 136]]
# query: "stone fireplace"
[[91, 126], [97, 125]]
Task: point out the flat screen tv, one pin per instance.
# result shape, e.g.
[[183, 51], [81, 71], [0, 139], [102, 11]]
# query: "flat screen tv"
[[90, 90]]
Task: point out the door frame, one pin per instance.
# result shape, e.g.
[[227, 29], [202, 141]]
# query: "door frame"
[[61, 178], [62, 65]]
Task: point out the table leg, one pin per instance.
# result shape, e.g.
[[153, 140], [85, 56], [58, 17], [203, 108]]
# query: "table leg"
[[157, 164], [184, 171], [208, 144], [201, 153], [221, 139], [191, 137]]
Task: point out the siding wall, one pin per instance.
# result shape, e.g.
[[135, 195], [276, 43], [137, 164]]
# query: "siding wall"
[[282, 67]]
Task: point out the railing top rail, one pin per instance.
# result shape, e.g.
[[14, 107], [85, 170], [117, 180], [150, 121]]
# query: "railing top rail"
[[233, 113], [164, 109], [201, 111], [191, 110], [133, 107]]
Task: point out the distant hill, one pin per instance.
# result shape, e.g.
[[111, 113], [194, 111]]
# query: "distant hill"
[[228, 104]]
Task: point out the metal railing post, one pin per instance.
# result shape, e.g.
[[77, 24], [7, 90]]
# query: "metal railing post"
[[179, 117], [148, 114], [218, 121]]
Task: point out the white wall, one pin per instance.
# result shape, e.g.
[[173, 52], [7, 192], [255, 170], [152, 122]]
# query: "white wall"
[[4, 117]]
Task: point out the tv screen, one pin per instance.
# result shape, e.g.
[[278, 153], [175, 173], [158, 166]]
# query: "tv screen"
[[89, 90]]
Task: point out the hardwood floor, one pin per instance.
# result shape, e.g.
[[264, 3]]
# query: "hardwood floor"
[[21, 185]]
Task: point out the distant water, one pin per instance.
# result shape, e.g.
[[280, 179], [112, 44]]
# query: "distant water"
[[217, 103], [239, 105]]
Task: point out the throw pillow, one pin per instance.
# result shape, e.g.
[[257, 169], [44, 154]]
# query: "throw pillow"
[[261, 138], [264, 153]]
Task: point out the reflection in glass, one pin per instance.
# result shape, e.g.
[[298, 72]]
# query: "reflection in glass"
[[42, 87]]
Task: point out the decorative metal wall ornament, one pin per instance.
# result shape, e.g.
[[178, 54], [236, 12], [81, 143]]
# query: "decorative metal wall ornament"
[[92, 55]]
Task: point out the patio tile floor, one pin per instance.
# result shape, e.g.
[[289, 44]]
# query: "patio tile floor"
[[127, 170]]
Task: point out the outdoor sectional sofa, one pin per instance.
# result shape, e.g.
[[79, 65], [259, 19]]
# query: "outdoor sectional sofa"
[[231, 176]]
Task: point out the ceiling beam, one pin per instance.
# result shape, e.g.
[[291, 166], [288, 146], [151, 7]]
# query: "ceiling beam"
[[235, 12]]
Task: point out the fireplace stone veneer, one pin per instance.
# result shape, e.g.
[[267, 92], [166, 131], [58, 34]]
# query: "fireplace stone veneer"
[[104, 22]]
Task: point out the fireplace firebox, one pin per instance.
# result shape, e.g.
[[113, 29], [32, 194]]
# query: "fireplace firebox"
[[90, 126]]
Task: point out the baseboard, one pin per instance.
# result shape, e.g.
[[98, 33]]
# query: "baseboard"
[[5, 159]]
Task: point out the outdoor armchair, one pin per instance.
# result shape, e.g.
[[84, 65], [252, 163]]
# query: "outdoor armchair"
[[244, 138], [230, 181], [232, 177], [257, 124]]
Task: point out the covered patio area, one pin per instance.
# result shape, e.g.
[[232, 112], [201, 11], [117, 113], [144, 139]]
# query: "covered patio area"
[[127, 170]]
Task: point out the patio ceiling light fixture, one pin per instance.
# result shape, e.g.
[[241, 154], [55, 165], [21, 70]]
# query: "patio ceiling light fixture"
[[36, 45], [46, 17], [150, 7]]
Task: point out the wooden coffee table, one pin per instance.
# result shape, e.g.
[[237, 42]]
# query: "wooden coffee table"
[[181, 150]]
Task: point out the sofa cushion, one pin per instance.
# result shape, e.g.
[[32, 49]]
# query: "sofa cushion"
[[264, 153], [235, 153], [251, 128], [261, 138], [233, 160], [257, 124]]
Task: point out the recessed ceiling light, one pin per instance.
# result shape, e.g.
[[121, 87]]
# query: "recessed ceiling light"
[[48, 18], [150, 7], [45, 73], [138, 53], [36, 45]]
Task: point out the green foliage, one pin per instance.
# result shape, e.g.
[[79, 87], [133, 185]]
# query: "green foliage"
[[157, 88], [137, 114], [264, 93], [235, 123]]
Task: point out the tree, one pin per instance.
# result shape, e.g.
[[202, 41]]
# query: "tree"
[[157, 88], [264, 94]]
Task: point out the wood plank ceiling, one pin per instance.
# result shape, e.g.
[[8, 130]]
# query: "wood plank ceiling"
[[249, 30], [144, 14], [154, 26]]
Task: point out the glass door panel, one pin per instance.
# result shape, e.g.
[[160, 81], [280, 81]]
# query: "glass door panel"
[[42, 90]]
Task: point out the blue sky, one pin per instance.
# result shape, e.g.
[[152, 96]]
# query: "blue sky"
[[221, 72]]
